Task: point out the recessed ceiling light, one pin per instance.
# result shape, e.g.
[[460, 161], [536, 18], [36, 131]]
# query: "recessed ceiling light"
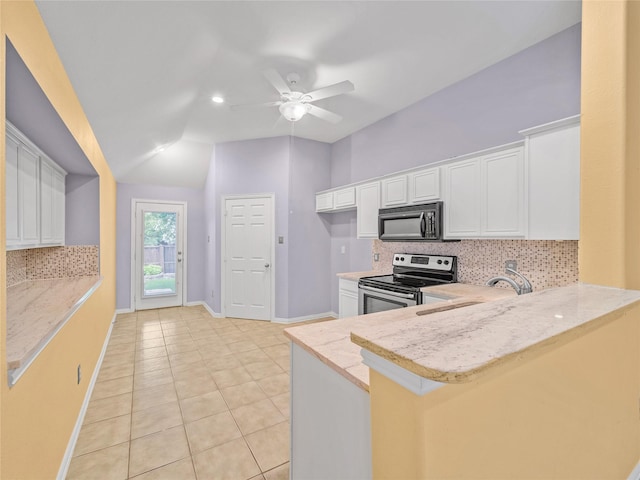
[[217, 99]]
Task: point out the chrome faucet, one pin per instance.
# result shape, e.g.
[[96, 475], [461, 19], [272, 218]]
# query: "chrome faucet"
[[520, 289]]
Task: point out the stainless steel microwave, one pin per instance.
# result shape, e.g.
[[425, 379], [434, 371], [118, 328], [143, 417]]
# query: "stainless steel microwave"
[[415, 223]]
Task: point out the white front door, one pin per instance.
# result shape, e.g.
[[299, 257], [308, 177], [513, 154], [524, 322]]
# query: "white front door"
[[248, 252], [159, 253]]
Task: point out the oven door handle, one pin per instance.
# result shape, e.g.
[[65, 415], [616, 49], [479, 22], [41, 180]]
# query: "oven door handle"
[[387, 292]]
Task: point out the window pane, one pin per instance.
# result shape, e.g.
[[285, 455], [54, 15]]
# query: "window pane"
[[159, 253]]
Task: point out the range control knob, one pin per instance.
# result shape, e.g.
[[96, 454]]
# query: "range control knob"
[[397, 258], [439, 262], [446, 262], [402, 259]]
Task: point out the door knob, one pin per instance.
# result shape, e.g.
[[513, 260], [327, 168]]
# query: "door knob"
[[266, 265]]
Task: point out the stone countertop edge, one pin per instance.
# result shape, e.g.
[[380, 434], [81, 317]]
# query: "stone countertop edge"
[[355, 276], [330, 342], [459, 346], [29, 348]]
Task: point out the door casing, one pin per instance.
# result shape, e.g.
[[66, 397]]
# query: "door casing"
[[183, 283], [223, 249]]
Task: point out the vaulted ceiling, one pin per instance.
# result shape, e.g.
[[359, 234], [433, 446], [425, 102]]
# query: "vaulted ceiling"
[[145, 71]]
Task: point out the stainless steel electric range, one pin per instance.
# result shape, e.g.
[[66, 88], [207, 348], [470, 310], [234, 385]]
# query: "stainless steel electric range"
[[411, 273]]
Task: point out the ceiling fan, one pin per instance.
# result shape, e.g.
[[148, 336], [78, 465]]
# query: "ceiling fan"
[[294, 105]]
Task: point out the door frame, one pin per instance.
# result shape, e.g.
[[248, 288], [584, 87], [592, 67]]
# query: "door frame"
[[223, 249], [132, 258]]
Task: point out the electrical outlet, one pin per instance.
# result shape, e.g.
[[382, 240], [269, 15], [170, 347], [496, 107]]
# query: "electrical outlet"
[[79, 374], [376, 257], [512, 264]]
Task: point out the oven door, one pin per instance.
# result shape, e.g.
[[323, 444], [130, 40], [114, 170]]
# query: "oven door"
[[371, 299]]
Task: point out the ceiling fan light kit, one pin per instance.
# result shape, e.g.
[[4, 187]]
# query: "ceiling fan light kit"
[[294, 110], [294, 105]]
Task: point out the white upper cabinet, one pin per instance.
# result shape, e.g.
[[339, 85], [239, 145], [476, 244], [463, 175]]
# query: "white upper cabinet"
[[344, 198], [503, 194], [394, 191], [424, 186], [52, 203], [461, 203], [553, 152], [324, 202], [35, 195], [12, 193], [22, 194], [511, 191], [484, 196], [336, 200], [368, 205]]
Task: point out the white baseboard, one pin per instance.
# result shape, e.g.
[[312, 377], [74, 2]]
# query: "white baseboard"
[[206, 306], [124, 310], [635, 474], [66, 460], [305, 318]]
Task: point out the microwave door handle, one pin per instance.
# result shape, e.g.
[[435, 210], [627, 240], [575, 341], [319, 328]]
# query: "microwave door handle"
[[423, 225]]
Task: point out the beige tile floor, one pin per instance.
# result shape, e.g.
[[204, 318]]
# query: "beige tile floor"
[[182, 395]]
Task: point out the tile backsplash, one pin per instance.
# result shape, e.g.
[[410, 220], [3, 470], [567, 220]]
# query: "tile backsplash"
[[52, 262], [546, 263]]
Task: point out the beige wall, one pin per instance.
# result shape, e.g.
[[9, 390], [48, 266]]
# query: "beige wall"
[[571, 412], [568, 413], [38, 414], [610, 144]]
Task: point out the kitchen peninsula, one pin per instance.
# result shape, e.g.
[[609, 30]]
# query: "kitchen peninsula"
[[510, 377]]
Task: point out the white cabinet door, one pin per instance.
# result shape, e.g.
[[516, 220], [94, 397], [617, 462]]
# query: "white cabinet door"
[[368, 206], [424, 186], [347, 298], [28, 188], [503, 194], [462, 194], [394, 191], [35, 195], [46, 202], [344, 198], [324, 202], [554, 184], [52, 202], [59, 201], [12, 202]]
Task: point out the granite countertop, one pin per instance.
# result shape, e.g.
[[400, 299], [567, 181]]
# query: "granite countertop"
[[331, 343], [355, 276], [37, 309], [459, 345]]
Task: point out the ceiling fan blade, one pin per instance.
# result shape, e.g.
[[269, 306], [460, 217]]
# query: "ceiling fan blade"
[[331, 90], [324, 114], [277, 81], [255, 105]]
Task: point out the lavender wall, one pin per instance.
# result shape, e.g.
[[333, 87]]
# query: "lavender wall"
[[196, 237], [82, 210], [535, 86], [253, 167], [309, 233]]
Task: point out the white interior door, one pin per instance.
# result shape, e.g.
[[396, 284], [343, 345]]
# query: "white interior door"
[[248, 253], [159, 254]]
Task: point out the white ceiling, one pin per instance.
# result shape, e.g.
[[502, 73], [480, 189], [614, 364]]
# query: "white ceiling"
[[145, 71]]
